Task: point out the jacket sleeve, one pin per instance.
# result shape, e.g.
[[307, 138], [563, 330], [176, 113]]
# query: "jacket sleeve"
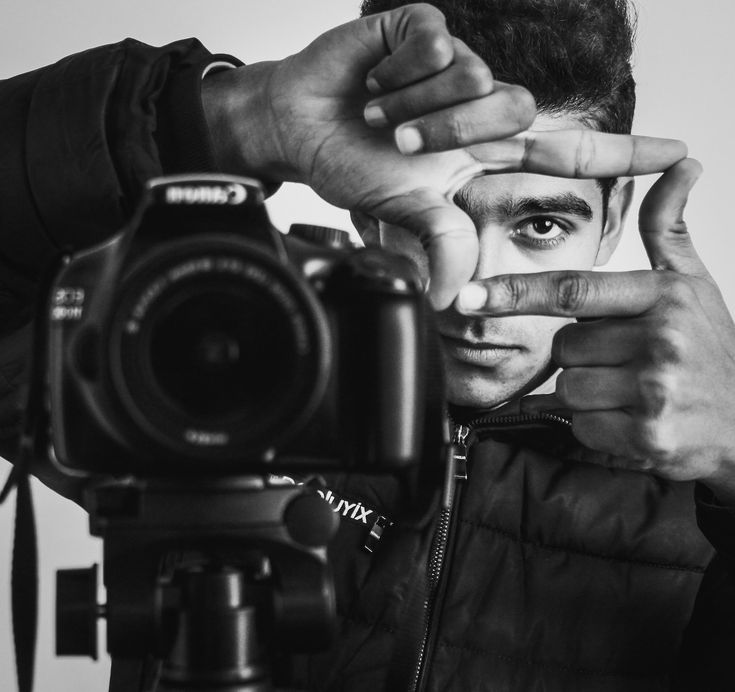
[[706, 661], [78, 140]]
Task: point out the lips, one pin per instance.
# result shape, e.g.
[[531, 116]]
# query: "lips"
[[481, 353]]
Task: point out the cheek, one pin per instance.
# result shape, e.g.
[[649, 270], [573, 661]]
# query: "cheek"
[[540, 330], [586, 247], [403, 242], [534, 332]]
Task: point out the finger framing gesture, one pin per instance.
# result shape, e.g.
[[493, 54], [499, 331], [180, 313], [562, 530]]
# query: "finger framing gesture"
[[651, 376]]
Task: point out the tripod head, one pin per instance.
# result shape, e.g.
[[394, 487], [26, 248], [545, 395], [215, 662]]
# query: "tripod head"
[[214, 579]]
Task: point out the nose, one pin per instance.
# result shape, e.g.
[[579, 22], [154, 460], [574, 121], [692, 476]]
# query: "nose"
[[494, 257]]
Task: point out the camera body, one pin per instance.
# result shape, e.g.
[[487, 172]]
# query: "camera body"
[[201, 340]]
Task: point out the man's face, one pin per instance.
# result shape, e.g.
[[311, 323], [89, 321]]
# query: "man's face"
[[525, 223]]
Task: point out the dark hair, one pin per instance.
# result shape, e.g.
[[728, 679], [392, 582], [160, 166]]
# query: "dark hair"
[[572, 55]]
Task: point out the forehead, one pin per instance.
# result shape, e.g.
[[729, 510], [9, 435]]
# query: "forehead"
[[482, 194]]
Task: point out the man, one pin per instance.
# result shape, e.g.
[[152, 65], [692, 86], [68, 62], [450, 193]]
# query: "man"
[[549, 572], [522, 606]]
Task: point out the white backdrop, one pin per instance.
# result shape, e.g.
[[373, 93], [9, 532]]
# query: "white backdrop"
[[684, 64]]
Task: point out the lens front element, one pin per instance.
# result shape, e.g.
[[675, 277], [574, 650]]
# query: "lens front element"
[[219, 350]]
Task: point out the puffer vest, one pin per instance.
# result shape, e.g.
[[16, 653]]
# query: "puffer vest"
[[544, 572]]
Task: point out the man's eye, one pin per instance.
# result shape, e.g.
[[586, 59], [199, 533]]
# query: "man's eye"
[[545, 228], [540, 232]]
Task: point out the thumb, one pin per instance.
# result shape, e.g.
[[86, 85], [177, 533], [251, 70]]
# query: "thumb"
[[661, 221], [446, 233]]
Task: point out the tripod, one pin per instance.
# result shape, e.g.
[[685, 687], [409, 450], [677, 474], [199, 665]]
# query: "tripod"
[[207, 580]]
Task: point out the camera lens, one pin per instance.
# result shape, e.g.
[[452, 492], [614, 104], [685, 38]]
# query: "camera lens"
[[220, 353], [219, 350]]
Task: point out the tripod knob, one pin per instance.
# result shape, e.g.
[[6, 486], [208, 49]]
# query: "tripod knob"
[[77, 612]]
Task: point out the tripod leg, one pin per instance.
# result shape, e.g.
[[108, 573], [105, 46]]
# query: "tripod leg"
[[134, 675]]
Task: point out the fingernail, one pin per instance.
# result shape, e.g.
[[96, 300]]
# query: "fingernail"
[[472, 298], [375, 116], [409, 140], [372, 85]]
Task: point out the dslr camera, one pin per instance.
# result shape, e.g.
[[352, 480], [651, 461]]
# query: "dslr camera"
[[187, 370], [201, 340]]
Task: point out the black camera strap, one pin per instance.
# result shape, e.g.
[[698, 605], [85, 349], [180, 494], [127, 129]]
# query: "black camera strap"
[[24, 575], [24, 569]]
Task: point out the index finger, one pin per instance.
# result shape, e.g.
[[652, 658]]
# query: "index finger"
[[563, 294], [579, 154]]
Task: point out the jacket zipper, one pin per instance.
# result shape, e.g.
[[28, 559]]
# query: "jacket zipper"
[[490, 422], [457, 471]]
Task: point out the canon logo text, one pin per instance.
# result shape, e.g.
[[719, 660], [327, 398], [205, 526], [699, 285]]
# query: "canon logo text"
[[206, 194]]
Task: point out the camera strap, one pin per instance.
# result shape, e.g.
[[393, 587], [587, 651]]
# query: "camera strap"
[[24, 576], [24, 569]]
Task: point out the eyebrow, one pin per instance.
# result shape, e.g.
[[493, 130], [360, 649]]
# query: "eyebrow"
[[508, 207]]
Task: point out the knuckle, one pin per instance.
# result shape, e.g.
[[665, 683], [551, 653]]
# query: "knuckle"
[[476, 79], [679, 292], [585, 154], [679, 228], [515, 290], [436, 49], [571, 293], [656, 393], [653, 219], [654, 441], [457, 131], [666, 346]]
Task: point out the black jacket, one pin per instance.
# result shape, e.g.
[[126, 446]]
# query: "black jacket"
[[549, 573], [78, 140]]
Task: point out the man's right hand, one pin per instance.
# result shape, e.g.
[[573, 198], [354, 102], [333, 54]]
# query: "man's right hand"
[[389, 116]]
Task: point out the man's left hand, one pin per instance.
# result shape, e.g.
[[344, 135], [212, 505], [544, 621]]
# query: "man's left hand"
[[651, 378]]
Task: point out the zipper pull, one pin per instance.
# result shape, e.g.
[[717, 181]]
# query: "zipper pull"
[[376, 533], [459, 451]]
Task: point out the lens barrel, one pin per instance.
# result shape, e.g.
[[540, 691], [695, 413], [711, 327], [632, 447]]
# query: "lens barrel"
[[218, 350]]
